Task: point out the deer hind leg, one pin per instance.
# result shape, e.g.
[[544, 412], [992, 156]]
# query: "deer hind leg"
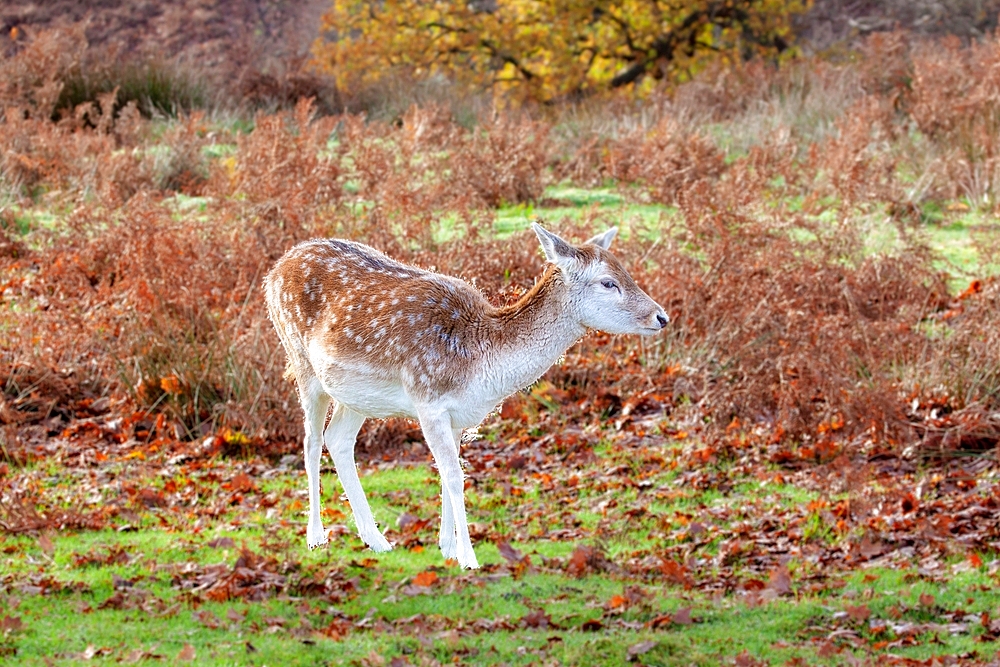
[[341, 435], [315, 403], [441, 441], [449, 536]]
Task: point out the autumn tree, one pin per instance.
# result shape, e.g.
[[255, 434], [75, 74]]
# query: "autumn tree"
[[547, 49]]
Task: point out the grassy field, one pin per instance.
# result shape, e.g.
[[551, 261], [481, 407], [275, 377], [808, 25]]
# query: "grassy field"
[[642, 553], [801, 469], [608, 546]]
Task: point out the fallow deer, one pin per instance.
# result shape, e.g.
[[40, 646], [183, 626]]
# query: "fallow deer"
[[383, 339]]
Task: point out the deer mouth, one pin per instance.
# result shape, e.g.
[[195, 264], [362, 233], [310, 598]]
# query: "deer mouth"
[[661, 323]]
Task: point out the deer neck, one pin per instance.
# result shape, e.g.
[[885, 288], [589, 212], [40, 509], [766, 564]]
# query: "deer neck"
[[533, 333]]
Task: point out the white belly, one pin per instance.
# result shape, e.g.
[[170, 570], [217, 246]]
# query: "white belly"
[[380, 393], [369, 395]]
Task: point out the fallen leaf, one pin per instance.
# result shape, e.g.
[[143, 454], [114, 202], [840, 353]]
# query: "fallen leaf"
[[744, 659], [242, 483], [827, 649], [641, 648], [207, 619], [221, 543], [660, 621], [676, 573], [11, 623], [426, 578], [780, 580], [859, 613], [509, 553], [683, 616], [187, 653], [537, 619]]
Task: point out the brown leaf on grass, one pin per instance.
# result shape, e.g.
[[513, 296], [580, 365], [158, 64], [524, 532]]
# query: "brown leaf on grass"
[[115, 555], [241, 483], [926, 600], [426, 578], [150, 498], [252, 577], [676, 573], [48, 585], [221, 543], [683, 616], [92, 652], [859, 613], [635, 595], [616, 602], [660, 622], [45, 544], [592, 625], [780, 580], [509, 553], [744, 659], [639, 649], [870, 548], [538, 619], [11, 623], [577, 563], [517, 562], [117, 600], [991, 628], [187, 653], [207, 619], [827, 649], [139, 655], [337, 629], [411, 523], [585, 560]]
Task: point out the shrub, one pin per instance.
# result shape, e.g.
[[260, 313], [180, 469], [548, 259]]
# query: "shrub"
[[787, 326]]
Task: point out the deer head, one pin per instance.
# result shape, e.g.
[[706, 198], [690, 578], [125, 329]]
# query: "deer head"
[[601, 293]]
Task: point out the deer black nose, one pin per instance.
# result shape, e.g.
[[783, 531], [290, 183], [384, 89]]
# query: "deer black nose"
[[662, 320]]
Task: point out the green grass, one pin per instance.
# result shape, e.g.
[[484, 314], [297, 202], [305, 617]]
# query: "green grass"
[[578, 205], [158, 615]]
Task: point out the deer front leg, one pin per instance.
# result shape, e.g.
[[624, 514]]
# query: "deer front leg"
[[314, 404], [449, 537], [441, 441], [341, 435]]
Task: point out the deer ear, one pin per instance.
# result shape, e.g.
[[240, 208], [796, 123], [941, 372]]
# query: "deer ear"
[[556, 250], [603, 240]]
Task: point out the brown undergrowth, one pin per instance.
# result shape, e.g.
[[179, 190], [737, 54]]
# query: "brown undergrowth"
[[787, 328]]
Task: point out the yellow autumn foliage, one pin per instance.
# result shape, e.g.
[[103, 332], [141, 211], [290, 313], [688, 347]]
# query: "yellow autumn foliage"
[[547, 49]]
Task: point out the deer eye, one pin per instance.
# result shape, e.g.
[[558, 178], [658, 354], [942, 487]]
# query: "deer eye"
[[610, 284]]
